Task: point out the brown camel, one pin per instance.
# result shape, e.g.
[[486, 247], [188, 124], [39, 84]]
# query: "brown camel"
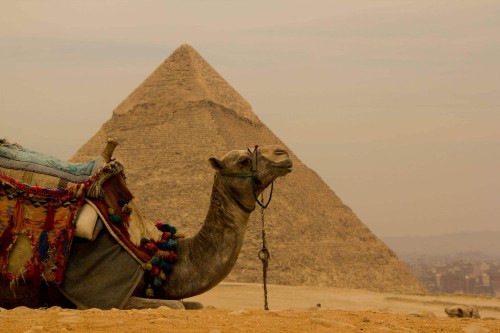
[[101, 273]]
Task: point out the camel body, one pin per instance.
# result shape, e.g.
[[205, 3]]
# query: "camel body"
[[202, 261]]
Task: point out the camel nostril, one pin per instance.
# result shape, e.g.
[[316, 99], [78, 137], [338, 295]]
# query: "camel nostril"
[[280, 152]]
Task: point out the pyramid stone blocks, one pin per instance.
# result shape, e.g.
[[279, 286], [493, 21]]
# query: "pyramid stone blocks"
[[184, 113]]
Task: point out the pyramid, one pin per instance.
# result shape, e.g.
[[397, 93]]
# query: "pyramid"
[[184, 113]]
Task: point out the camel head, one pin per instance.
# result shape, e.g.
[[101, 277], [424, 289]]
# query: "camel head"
[[245, 173]]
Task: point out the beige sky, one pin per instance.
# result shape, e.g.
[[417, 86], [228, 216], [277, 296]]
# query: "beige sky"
[[396, 104]]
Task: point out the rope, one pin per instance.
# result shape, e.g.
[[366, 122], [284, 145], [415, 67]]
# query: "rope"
[[264, 255]]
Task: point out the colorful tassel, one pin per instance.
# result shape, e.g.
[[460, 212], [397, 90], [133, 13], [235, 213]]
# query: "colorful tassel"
[[172, 244], [115, 219], [157, 283], [155, 261], [43, 245], [17, 215], [163, 256], [150, 292], [49, 220]]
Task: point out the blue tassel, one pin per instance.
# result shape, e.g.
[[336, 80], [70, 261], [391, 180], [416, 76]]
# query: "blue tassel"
[[156, 283], [122, 202], [168, 268], [115, 219], [172, 244], [155, 261], [163, 245], [43, 245]]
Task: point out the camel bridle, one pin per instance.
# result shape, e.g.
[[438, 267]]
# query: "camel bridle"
[[253, 175], [264, 254]]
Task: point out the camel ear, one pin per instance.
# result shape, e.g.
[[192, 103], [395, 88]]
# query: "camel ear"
[[215, 163]]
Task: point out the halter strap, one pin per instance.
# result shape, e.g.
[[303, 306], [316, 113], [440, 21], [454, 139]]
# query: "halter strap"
[[235, 197], [252, 173]]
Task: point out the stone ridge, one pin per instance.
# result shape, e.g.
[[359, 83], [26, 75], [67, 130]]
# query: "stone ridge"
[[186, 75], [314, 239]]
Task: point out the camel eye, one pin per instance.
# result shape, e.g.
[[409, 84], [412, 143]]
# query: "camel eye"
[[244, 161]]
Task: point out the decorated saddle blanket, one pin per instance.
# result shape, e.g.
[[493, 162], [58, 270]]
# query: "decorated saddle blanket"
[[41, 201]]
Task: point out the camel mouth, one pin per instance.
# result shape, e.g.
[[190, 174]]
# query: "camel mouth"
[[284, 165]]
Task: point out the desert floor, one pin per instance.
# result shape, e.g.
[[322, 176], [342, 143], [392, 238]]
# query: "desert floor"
[[238, 307]]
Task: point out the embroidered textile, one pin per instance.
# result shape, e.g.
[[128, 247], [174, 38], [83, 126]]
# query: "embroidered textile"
[[37, 221], [45, 217]]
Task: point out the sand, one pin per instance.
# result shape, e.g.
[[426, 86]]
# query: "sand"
[[236, 307]]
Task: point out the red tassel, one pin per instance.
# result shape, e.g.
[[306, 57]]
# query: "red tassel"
[[17, 215], [49, 221]]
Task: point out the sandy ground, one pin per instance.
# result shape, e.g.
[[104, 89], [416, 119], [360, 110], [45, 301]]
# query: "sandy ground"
[[235, 307]]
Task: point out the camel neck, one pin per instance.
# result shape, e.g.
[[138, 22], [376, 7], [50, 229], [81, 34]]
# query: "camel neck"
[[208, 257]]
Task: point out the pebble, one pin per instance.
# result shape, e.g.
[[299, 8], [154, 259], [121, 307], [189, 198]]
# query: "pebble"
[[239, 313], [22, 309], [315, 308], [332, 323], [34, 329], [164, 308], [55, 309], [424, 314], [70, 320], [475, 328], [160, 321]]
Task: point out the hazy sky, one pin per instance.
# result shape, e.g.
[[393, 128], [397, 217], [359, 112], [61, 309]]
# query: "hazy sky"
[[395, 104]]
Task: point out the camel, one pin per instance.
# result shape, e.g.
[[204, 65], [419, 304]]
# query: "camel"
[[115, 280]]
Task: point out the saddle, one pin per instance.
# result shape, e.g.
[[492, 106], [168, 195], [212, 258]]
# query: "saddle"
[[41, 198]]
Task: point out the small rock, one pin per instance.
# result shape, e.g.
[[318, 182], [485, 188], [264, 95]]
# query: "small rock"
[[22, 309], [332, 323], [384, 329], [463, 311], [55, 309], [475, 328], [405, 329], [209, 307], [424, 314], [315, 308], [366, 320], [163, 308], [239, 313], [215, 331], [37, 328], [70, 320], [160, 321]]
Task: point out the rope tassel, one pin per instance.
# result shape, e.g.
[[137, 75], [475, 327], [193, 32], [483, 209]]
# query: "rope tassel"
[[43, 241], [18, 216]]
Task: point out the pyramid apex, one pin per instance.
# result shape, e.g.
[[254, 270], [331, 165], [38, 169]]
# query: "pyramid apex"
[[186, 76]]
